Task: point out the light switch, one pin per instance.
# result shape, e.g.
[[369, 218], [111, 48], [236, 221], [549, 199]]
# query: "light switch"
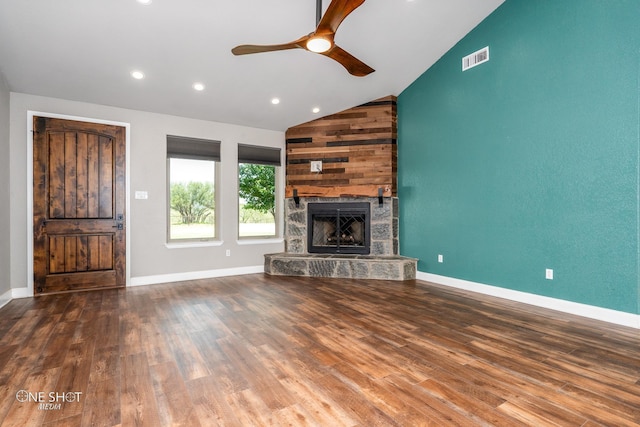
[[142, 195]]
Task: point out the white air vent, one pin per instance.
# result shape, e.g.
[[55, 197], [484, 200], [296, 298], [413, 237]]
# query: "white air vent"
[[476, 58]]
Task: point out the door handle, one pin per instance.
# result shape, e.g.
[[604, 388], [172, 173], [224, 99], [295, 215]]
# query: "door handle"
[[119, 225]]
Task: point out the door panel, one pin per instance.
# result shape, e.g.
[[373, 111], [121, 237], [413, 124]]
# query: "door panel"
[[79, 205], [72, 253]]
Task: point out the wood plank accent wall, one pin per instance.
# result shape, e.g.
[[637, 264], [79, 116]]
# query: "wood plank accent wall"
[[357, 148]]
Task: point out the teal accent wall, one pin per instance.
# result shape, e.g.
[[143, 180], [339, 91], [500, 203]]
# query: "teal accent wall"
[[530, 161]]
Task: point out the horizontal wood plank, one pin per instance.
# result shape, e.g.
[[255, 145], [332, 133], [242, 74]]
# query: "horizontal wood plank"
[[89, 280], [357, 147]]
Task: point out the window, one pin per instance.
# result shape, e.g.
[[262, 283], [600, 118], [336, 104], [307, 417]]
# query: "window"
[[258, 169], [191, 172]]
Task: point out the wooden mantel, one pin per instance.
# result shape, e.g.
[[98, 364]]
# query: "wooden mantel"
[[357, 148]]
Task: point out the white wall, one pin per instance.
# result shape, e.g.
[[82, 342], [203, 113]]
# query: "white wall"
[[149, 255], [5, 258]]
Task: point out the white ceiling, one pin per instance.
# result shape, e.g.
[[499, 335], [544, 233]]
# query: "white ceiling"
[[84, 50]]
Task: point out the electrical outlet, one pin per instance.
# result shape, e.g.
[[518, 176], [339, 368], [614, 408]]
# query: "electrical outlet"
[[316, 166], [548, 274], [440, 258], [228, 252]]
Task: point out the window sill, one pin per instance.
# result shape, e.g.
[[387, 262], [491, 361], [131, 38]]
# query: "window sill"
[[194, 244], [264, 241]]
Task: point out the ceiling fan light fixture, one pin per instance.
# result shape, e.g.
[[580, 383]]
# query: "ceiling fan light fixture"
[[321, 40], [318, 44]]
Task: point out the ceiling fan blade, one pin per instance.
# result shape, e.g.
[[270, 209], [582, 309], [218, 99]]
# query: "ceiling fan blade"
[[246, 49], [337, 11], [353, 65]]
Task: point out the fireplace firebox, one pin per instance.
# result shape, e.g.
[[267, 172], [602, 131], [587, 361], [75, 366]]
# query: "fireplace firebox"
[[339, 228]]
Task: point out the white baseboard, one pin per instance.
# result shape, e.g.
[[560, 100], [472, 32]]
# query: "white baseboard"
[[194, 275], [12, 294], [6, 298], [584, 310], [21, 293]]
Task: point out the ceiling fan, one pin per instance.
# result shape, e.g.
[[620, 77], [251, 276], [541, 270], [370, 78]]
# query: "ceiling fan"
[[321, 40]]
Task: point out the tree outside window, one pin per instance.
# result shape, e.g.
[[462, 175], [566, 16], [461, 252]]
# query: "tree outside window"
[[257, 186], [191, 169], [192, 199], [257, 171]]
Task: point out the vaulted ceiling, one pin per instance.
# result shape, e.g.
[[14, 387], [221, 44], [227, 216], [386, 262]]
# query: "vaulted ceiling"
[[85, 50]]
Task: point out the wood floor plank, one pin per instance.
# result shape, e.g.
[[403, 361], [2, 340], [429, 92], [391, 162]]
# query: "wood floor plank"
[[28, 412], [185, 353], [74, 421], [470, 401], [384, 397], [154, 343], [74, 378], [441, 411], [597, 380], [294, 415], [318, 404], [55, 351], [25, 358], [251, 409], [260, 350], [210, 403], [299, 377], [22, 327], [138, 399], [600, 409], [102, 405], [355, 403], [174, 404], [259, 378]]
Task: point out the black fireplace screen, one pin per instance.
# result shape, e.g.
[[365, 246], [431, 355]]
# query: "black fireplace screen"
[[338, 228]]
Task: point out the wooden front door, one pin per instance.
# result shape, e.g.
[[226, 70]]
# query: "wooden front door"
[[78, 205]]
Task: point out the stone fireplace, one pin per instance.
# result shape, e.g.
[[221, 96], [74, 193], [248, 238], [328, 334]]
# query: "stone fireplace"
[[341, 206], [382, 222], [381, 262]]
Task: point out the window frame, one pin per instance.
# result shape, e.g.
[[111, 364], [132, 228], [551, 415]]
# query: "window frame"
[[193, 149], [266, 156]]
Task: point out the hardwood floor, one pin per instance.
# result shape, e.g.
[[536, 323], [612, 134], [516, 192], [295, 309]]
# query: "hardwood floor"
[[258, 350]]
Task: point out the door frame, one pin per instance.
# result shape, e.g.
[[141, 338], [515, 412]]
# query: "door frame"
[[127, 126]]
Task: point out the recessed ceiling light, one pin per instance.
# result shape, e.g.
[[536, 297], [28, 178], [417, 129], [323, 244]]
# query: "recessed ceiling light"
[[316, 110], [137, 75], [198, 86], [275, 101], [144, 2]]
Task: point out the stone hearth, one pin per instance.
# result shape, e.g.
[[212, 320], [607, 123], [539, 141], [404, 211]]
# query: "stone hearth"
[[341, 266], [383, 261]]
